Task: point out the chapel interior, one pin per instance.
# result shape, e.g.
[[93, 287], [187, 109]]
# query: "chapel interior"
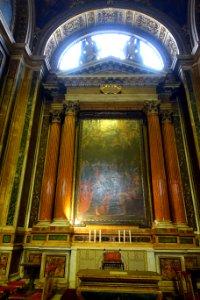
[[100, 148]]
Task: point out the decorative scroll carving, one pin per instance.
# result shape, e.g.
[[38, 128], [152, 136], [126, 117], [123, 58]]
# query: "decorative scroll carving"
[[110, 89], [146, 23]]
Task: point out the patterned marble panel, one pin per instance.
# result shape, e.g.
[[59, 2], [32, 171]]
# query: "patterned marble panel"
[[169, 266]]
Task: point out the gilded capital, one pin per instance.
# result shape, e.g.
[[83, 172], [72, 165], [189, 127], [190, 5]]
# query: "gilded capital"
[[151, 107], [167, 116], [71, 107], [56, 116]]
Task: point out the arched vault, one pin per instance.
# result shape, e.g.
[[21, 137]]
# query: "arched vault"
[[130, 20]]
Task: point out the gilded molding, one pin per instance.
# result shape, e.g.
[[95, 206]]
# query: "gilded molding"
[[138, 80]]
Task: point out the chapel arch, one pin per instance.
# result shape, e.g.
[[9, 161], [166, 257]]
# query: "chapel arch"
[[168, 36]]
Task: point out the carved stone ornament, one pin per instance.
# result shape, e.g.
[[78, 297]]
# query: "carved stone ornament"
[[118, 79], [167, 116], [151, 107], [111, 15], [71, 106], [55, 116], [110, 89]]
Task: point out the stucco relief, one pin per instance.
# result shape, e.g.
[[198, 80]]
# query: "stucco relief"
[[111, 16]]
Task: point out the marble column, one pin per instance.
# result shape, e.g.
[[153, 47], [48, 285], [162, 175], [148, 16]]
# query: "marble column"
[[173, 170], [66, 164], [159, 181], [51, 166]]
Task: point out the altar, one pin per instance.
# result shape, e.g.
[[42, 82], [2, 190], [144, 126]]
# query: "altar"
[[118, 284]]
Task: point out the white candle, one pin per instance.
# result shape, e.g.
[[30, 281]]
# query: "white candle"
[[89, 235], [124, 236], [119, 236], [100, 236]]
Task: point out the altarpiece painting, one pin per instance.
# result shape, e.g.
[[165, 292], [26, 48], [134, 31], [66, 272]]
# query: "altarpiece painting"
[[111, 178]]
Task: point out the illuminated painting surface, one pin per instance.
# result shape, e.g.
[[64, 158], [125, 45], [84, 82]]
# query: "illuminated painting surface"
[[110, 175]]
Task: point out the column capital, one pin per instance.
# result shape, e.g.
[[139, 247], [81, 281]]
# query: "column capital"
[[71, 107], [167, 116], [55, 116], [151, 107]]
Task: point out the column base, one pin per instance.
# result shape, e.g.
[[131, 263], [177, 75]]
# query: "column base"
[[182, 226], [59, 222], [43, 224], [184, 229], [162, 224]]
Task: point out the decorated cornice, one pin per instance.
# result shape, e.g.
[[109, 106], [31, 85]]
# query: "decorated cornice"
[[99, 80], [110, 16]]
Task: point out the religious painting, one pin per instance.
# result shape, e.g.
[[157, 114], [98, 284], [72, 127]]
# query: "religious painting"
[[59, 262], [3, 262], [169, 267], [111, 180]]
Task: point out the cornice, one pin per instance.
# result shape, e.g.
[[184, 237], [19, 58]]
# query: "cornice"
[[22, 51], [100, 98], [140, 80]]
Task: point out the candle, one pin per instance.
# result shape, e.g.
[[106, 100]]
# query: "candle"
[[130, 236], [89, 235], [124, 236], [119, 236], [100, 236]]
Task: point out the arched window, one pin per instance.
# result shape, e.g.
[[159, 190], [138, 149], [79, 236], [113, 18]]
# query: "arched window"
[[99, 46]]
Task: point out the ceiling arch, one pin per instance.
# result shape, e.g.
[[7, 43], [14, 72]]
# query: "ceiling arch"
[[110, 16]]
